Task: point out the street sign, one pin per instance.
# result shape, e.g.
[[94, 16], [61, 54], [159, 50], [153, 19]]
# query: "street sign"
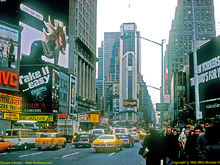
[[161, 106]]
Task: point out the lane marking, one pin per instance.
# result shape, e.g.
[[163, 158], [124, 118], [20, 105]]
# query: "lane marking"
[[31, 154], [3, 153], [70, 154], [111, 154]]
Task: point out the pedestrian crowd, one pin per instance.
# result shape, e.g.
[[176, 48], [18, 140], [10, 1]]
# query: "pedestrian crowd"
[[189, 144]]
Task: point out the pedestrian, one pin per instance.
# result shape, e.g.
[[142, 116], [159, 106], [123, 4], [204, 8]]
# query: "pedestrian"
[[202, 126], [202, 139], [211, 151], [153, 142], [183, 143], [171, 147], [190, 148]]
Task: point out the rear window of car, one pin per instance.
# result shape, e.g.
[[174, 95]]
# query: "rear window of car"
[[97, 131], [48, 135], [119, 130], [106, 137], [133, 134], [123, 136], [84, 136]]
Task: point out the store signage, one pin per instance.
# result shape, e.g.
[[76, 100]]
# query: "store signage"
[[104, 120], [37, 118], [94, 118], [82, 118], [10, 103], [12, 116], [130, 103], [31, 12], [8, 78]]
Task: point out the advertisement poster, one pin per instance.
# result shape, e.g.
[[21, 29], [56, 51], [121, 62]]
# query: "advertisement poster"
[[8, 46], [94, 118], [35, 84], [45, 43]]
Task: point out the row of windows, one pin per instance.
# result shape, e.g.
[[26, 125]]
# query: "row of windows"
[[177, 65], [177, 60]]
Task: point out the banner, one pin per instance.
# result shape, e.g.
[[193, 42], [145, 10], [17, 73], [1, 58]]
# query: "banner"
[[10, 103], [12, 116], [37, 118]]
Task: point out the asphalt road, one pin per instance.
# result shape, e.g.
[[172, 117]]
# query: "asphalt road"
[[71, 155]]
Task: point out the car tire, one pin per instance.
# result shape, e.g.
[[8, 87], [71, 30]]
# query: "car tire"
[[121, 148], [76, 146], [9, 149], [25, 146], [96, 150], [132, 144], [55, 147], [38, 148], [64, 145]]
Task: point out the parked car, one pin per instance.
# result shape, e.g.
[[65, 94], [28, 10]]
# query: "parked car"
[[135, 136], [20, 138], [50, 140], [5, 145], [128, 140], [83, 139], [98, 132], [107, 142], [117, 131]]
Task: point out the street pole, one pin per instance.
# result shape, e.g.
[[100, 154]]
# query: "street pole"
[[195, 68]]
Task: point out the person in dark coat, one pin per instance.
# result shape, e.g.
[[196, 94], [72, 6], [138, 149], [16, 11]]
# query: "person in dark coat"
[[202, 139], [190, 148], [171, 147], [211, 151], [153, 142]]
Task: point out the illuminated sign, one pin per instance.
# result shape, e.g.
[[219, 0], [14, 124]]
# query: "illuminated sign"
[[31, 12], [8, 103], [130, 103], [12, 116], [94, 118], [8, 78], [37, 118]]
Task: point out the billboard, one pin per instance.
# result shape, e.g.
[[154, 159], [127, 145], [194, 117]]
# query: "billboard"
[[44, 35], [10, 104], [208, 70], [39, 87], [130, 103], [9, 56]]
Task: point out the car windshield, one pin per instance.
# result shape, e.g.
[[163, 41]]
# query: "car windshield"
[[106, 137], [143, 132]]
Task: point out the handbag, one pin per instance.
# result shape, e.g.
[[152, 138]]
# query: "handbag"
[[141, 151]]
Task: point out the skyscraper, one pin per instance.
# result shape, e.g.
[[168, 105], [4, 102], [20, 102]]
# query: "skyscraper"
[[180, 38]]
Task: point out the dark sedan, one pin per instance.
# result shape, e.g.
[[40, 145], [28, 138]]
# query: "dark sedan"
[[83, 139], [127, 138]]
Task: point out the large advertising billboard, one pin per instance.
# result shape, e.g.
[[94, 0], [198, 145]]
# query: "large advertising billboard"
[[9, 56], [44, 35], [208, 69], [39, 85]]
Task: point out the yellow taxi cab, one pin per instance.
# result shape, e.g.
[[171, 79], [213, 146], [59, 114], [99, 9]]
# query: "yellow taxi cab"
[[50, 140], [5, 145], [141, 133], [107, 142]]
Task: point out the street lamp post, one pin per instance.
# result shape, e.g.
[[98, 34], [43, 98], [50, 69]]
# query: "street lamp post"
[[123, 37]]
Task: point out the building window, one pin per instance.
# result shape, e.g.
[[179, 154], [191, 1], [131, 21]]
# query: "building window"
[[130, 59], [130, 79]]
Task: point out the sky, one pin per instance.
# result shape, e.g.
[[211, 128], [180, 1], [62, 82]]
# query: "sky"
[[153, 19]]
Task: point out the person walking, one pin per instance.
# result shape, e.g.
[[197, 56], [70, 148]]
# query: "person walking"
[[171, 147], [153, 142]]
